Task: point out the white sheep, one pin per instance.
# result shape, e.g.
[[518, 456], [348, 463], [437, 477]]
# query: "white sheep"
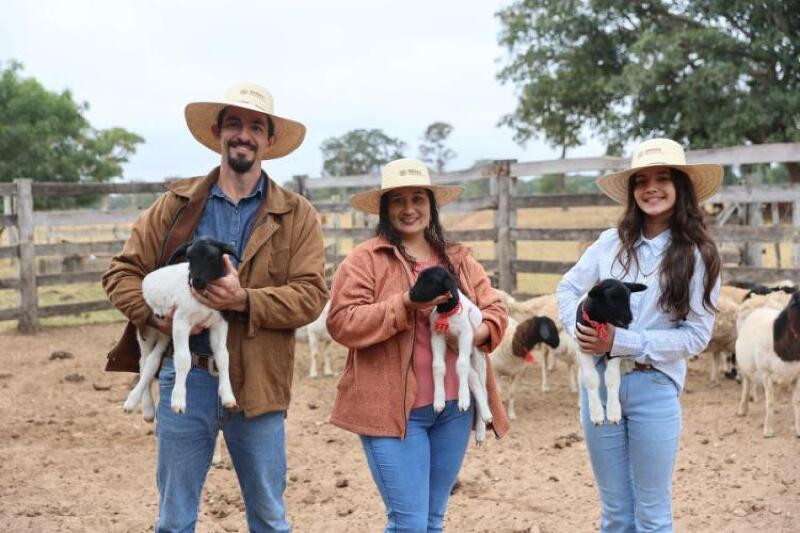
[[723, 337], [319, 343], [168, 290], [768, 353]]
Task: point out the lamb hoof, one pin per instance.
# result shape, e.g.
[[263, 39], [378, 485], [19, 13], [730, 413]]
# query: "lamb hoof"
[[613, 414], [438, 407], [328, 373], [512, 415], [463, 406], [769, 434], [739, 412], [178, 407], [128, 410], [229, 405]]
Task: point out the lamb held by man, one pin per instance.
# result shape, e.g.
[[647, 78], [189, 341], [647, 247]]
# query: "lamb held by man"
[[460, 317], [608, 302], [168, 291]]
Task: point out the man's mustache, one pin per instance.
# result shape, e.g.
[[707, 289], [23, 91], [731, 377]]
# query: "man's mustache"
[[236, 144]]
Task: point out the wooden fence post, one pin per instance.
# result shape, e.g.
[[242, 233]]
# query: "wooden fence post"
[[796, 223], [504, 219], [28, 320], [753, 250], [300, 185]]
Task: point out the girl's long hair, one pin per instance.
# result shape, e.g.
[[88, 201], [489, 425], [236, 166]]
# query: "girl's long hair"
[[689, 232], [433, 233]]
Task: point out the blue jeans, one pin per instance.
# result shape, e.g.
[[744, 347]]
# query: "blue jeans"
[[633, 462], [186, 443], [416, 474]]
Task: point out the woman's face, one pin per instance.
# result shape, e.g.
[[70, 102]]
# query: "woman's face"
[[409, 210], [654, 192]]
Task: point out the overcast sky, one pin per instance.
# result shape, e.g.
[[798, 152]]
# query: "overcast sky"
[[334, 65]]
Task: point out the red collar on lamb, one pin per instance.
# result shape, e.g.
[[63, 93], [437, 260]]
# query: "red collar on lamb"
[[601, 327], [442, 324]]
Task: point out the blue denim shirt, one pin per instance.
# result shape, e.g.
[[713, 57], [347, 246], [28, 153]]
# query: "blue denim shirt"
[[231, 223]]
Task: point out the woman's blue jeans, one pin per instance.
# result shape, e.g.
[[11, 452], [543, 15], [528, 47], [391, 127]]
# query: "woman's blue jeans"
[[416, 474], [257, 447], [633, 461]]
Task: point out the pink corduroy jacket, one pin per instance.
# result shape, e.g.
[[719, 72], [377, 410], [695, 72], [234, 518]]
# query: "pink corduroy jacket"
[[377, 390]]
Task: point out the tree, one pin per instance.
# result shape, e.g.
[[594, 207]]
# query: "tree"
[[45, 136], [433, 150], [359, 151], [705, 73]]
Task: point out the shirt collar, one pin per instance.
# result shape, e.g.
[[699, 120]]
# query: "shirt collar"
[[257, 192], [658, 243]]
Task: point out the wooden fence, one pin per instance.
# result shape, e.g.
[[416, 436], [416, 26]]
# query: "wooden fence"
[[735, 203]]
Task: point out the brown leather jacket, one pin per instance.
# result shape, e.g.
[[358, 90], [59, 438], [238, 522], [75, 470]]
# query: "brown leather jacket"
[[377, 390], [282, 270]]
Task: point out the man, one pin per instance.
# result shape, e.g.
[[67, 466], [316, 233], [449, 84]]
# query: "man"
[[278, 286]]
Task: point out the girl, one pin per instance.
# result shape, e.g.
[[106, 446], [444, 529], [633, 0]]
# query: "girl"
[[662, 242], [386, 391]]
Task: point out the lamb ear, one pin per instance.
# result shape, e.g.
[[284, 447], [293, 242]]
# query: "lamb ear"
[[635, 287], [452, 286], [180, 251]]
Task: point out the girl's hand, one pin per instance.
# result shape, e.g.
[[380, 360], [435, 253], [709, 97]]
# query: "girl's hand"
[[590, 342]]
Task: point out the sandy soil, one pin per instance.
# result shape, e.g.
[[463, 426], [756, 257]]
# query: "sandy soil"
[[70, 460]]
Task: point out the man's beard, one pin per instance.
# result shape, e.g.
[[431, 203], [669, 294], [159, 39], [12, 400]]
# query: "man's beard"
[[239, 165]]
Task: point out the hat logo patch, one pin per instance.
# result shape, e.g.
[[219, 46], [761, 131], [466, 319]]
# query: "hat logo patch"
[[411, 171]]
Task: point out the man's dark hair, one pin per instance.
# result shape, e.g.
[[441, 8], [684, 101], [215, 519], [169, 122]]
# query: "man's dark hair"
[[270, 123]]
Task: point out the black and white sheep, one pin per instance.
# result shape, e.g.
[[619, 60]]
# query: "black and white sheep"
[[460, 317], [168, 290], [516, 350], [608, 302], [768, 353]]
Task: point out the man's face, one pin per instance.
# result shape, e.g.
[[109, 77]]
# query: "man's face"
[[244, 138]]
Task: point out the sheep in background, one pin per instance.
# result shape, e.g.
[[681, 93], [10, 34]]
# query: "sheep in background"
[[730, 292], [319, 343], [774, 300], [768, 352], [723, 338], [514, 352]]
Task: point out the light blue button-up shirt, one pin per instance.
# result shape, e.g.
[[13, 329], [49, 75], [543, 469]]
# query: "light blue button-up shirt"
[[653, 337]]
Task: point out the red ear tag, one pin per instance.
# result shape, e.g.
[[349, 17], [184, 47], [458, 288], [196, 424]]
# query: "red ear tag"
[[529, 359]]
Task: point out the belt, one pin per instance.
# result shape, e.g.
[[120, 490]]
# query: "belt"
[[203, 361], [643, 366]]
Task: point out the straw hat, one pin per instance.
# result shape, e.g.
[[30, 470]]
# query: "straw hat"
[[706, 179], [403, 173], [201, 116]]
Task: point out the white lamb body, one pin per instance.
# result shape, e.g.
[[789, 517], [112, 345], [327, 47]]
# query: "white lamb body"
[[759, 364], [470, 366], [165, 290], [319, 343]]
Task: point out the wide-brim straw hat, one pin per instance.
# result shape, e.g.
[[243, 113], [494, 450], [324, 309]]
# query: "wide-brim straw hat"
[[404, 173], [706, 178], [201, 116]]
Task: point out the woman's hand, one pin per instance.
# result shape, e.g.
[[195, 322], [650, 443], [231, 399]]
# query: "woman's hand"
[[418, 306], [590, 342]]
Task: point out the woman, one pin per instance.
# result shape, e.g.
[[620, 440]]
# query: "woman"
[[662, 242], [386, 391]]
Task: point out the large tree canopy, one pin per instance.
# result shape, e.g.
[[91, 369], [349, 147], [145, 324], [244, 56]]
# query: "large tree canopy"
[[703, 72], [45, 136], [359, 151]]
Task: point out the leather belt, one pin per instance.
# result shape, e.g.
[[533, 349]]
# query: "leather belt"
[[203, 361], [643, 366]]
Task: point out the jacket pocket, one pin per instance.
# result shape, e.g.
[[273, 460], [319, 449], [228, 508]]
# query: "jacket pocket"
[[278, 267]]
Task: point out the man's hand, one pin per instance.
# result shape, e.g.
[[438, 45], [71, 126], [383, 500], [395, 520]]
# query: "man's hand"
[[590, 342], [225, 293]]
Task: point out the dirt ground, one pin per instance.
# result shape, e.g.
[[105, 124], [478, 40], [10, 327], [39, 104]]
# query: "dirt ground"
[[70, 460]]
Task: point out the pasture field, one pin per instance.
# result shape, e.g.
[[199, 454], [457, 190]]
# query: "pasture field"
[[71, 461]]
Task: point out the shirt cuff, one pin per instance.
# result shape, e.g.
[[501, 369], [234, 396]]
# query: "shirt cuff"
[[627, 343]]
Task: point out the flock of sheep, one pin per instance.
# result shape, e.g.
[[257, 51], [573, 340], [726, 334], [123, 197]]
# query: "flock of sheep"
[[741, 344]]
